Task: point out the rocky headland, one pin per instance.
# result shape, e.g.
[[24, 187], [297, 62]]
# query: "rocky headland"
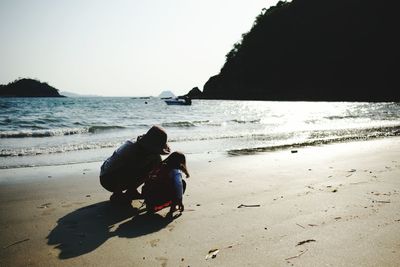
[[313, 50]]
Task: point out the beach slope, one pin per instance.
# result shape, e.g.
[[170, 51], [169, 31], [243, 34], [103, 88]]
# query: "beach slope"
[[336, 205]]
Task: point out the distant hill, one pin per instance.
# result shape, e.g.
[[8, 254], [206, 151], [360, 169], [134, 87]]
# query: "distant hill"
[[323, 50], [166, 94], [69, 94], [28, 88]]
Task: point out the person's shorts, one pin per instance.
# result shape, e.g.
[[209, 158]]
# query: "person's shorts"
[[119, 181]]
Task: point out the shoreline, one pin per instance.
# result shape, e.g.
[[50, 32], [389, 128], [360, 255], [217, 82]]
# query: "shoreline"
[[335, 204], [189, 148]]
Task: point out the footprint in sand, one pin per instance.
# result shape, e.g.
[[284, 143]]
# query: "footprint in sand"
[[153, 243], [163, 261], [48, 211]]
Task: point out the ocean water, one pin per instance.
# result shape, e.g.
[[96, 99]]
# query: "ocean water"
[[51, 131]]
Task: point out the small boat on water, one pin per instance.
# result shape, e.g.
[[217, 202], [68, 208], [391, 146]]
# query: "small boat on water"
[[184, 101]]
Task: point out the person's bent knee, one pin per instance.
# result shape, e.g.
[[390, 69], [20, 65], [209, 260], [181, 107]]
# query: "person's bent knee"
[[106, 183]]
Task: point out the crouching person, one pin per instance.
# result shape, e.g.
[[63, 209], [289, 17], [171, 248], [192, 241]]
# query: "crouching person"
[[131, 163], [165, 186]]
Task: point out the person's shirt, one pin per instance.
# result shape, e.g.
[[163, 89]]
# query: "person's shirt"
[[176, 176], [130, 155]]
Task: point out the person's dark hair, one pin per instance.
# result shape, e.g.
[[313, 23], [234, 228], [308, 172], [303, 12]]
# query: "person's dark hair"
[[155, 141], [176, 160]]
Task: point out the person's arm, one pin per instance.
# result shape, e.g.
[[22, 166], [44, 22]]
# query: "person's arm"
[[142, 164]]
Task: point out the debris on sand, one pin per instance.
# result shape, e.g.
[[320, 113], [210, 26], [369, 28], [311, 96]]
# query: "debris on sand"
[[294, 151], [212, 253], [44, 206], [300, 225], [298, 255], [305, 241], [248, 206], [15, 243], [380, 201]]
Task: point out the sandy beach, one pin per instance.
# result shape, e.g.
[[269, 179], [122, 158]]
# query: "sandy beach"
[[334, 205]]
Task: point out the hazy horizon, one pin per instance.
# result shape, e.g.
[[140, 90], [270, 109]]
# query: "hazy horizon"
[[123, 48]]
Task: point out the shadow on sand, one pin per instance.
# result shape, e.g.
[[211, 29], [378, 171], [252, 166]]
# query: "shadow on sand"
[[87, 228]]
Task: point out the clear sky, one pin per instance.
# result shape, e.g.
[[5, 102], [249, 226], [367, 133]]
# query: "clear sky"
[[121, 47]]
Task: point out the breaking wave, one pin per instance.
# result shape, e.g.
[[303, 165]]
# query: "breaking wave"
[[186, 124], [276, 141], [183, 124], [42, 133], [323, 138], [247, 121], [57, 132], [53, 149], [103, 128]]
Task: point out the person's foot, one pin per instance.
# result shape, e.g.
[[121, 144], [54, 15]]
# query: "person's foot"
[[171, 216]]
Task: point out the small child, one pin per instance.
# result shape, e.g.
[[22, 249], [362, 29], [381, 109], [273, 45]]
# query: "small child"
[[165, 186]]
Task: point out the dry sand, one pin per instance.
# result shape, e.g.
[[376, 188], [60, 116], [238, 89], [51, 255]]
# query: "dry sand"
[[335, 205]]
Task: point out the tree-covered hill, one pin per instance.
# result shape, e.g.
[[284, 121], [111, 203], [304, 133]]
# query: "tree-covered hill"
[[28, 88], [335, 50]]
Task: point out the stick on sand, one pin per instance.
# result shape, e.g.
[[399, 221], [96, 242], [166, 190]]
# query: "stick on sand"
[[15, 243]]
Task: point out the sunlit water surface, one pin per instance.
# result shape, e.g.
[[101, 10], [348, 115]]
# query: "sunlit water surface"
[[49, 131]]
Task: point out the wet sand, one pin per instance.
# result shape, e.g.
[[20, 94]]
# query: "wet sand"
[[336, 205]]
